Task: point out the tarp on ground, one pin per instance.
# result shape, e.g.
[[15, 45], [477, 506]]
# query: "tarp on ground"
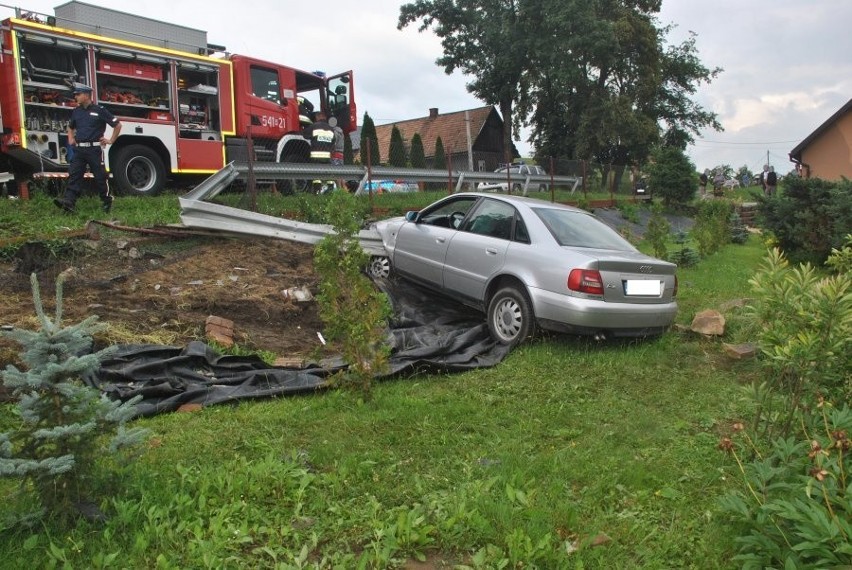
[[427, 333]]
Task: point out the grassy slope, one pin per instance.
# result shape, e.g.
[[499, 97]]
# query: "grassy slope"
[[565, 442]]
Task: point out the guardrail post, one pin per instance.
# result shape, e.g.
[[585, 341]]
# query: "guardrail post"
[[369, 174], [449, 173], [251, 183], [552, 189]]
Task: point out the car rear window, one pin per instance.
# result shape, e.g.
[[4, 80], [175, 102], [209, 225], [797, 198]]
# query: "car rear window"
[[577, 229]]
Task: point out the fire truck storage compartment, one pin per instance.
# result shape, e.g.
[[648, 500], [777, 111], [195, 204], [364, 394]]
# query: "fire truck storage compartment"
[[50, 60], [131, 69], [130, 88], [198, 101]]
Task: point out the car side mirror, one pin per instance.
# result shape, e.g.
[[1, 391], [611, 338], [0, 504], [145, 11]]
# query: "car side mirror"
[[411, 216]]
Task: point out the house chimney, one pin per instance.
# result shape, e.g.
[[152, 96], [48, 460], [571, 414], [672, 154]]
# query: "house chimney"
[[433, 113]]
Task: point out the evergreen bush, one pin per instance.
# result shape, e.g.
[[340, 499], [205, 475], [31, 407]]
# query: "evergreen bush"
[[809, 218], [685, 256], [369, 139], [672, 176], [397, 156], [66, 427], [739, 232]]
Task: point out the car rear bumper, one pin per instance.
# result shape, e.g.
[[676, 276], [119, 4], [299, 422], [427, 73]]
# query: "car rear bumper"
[[588, 316]]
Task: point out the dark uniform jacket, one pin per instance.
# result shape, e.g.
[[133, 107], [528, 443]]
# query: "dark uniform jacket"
[[322, 141], [90, 123]]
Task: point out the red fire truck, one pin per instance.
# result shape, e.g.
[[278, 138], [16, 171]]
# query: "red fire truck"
[[184, 108]]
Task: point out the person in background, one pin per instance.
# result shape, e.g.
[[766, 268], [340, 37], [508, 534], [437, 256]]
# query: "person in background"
[[86, 137], [763, 177], [703, 178], [771, 182], [337, 148], [718, 183]]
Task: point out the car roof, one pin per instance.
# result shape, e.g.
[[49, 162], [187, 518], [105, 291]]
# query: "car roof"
[[522, 201]]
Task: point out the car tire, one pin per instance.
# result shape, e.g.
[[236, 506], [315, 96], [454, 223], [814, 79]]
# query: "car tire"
[[138, 171], [511, 320], [516, 188], [379, 267]]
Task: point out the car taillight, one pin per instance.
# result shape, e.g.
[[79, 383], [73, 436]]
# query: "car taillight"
[[674, 293], [586, 281]]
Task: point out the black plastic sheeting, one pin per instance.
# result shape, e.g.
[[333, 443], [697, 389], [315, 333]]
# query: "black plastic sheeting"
[[428, 333]]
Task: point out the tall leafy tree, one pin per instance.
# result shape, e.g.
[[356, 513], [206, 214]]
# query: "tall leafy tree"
[[485, 39], [396, 150], [605, 87], [370, 139], [417, 155]]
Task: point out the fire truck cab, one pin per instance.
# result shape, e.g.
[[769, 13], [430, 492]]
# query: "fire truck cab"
[[186, 107]]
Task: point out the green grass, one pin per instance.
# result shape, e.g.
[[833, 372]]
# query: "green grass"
[[565, 443]]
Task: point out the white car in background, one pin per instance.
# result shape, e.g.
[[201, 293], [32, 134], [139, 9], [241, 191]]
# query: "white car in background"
[[518, 174]]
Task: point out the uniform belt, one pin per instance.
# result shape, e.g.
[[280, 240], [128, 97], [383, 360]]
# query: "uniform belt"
[[87, 143]]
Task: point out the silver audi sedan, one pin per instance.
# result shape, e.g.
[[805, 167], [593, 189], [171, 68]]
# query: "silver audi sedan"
[[528, 263]]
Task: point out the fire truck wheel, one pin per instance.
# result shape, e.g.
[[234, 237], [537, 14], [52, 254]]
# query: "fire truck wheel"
[[139, 171], [298, 185]]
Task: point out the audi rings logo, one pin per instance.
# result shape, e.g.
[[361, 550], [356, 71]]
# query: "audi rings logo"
[[646, 268]]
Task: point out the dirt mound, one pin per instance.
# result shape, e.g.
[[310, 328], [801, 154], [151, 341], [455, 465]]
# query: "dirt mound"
[[164, 288]]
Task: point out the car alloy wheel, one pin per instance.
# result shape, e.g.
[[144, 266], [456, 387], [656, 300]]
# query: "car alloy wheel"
[[379, 268], [510, 316]]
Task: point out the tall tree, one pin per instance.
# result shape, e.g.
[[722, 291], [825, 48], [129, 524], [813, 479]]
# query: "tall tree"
[[606, 87], [370, 139], [396, 149], [439, 162], [417, 155], [485, 39]]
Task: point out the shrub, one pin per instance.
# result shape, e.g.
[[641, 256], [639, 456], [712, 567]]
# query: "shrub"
[[711, 229], [796, 508], [354, 312], [804, 330], [62, 420], [629, 211], [809, 218], [658, 230], [840, 260]]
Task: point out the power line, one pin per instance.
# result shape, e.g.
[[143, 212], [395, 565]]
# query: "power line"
[[744, 143]]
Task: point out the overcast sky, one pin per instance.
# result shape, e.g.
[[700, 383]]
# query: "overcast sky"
[[787, 64]]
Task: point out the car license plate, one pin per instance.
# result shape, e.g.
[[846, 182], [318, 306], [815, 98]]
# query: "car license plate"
[[643, 287]]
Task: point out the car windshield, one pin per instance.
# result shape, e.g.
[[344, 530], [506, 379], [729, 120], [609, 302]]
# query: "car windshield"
[[577, 229]]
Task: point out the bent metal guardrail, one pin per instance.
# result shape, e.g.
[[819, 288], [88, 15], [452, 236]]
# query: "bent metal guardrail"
[[197, 212], [295, 171]]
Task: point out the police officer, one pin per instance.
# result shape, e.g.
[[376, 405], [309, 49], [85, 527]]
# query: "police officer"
[[86, 137]]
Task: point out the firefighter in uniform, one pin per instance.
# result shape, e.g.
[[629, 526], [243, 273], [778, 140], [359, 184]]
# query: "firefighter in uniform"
[[322, 142], [86, 137]]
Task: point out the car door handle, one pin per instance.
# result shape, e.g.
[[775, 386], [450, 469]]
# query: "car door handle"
[[441, 239], [490, 251]]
